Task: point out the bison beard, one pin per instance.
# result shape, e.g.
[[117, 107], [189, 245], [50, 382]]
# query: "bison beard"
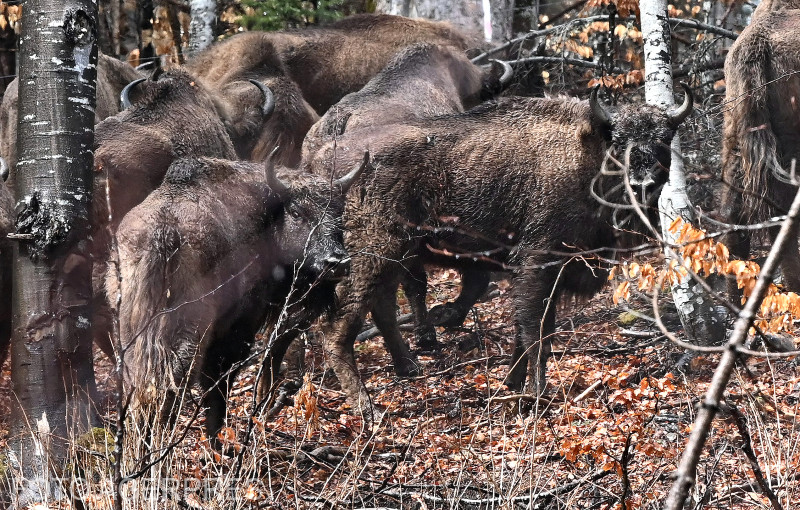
[[761, 133], [525, 190], [208, 257]]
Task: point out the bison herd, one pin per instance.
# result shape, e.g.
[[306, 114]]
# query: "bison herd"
[[280, 177]]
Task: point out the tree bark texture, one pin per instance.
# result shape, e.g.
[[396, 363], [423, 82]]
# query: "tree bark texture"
[[702, 321], [201, 27], [51, 358]]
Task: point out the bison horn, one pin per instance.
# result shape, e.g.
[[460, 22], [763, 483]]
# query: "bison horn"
[[3, 169], [346, 181], [124, 96], [274, 183], [599, 109], [145, 66], [508, 72], [269, 97], [679, 115]]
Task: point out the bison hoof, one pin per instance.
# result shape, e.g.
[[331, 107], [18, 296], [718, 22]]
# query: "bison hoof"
[[426, 341], [446, 316], [408, 368]]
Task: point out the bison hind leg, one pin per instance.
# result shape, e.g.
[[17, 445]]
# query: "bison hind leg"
[[384, 314], [415, 285], [474, 283]]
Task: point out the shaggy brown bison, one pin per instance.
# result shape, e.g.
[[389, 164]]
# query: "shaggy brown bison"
[[206, 258], [761, 136], [230, 79], [112, 77], [329, 62], [172, 115], [422, 81], [508, 181]]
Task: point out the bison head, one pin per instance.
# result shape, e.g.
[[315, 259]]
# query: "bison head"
[[308, 227], [647, 131]]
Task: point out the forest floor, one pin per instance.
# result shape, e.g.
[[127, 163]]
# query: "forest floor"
[[609, 434]]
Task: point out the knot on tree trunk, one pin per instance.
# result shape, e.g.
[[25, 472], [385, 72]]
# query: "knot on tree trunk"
[[47, 227], [79, 27]]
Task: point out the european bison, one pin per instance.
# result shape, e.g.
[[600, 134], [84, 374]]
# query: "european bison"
[[215, 250], [508, 180], [172, 116], [422, 81], [230, 80], [112, 76], [761, 134], [331, 61]]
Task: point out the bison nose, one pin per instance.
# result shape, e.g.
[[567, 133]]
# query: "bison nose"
[[337, 267]]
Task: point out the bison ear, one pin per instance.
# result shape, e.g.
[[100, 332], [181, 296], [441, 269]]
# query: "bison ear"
[[348, 180], [599, 109], [274, 183]]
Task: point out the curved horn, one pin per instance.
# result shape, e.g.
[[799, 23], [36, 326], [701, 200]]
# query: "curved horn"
[[508, 72], [144, 66], [124, 96], [274, 183], [269, 98], [3, 169], [679, 114], [599, 109], [346, 181]]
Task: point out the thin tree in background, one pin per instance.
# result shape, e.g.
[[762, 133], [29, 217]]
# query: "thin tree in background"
[[51, 358], [702, 321], [201, 27]]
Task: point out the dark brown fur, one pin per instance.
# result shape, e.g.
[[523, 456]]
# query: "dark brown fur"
[[422, 81], [112, 76], [513, 175], [253, 134], [329, 62], [218, 250], [174, 116], [761, 136]]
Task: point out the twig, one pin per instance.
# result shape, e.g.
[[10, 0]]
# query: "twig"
[[587, 391], [747, 448], [687, 469]]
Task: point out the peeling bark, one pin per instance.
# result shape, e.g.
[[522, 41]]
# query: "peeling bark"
[[51, 360]]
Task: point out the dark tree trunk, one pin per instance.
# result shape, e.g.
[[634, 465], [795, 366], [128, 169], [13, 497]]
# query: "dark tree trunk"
[[51, 359]]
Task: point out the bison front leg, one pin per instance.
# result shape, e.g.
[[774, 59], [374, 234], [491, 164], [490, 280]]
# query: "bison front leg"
[[340, 355], [415, 285], [534, 310], [384, 313]]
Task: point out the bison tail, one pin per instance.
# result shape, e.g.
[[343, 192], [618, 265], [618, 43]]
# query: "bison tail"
[[148, 325], [750, 156]]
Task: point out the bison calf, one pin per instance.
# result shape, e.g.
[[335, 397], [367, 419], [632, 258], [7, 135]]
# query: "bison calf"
[[205, 259], [508, 181]]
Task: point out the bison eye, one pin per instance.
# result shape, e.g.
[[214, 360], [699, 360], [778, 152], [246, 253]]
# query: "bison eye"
[[294, 213]]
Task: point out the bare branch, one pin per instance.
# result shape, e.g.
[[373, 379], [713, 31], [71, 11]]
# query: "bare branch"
[[687, 469]]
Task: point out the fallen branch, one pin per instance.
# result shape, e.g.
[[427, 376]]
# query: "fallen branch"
[[374, 331]]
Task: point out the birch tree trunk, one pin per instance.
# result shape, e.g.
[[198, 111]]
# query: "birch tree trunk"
[[201, 26], [51, 356], [702, 321]]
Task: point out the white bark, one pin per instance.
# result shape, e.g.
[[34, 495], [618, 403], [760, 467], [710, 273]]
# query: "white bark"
[[702, 321], [201, 26]]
